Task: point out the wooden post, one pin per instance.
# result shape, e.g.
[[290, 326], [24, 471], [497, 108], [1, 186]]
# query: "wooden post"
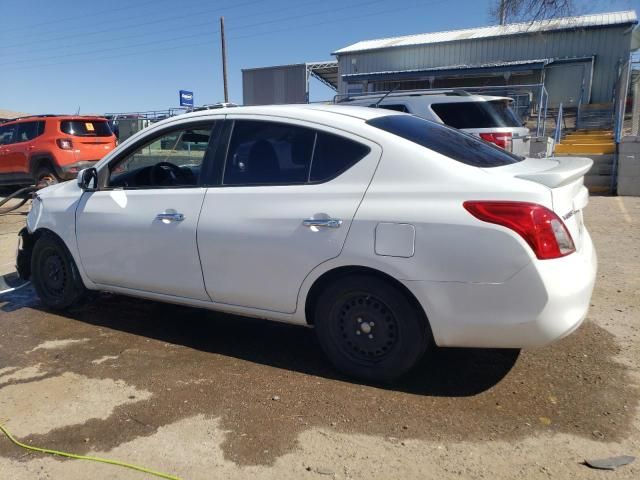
[[224, 60]]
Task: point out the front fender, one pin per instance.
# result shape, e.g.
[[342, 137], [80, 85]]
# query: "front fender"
[[54, 209]]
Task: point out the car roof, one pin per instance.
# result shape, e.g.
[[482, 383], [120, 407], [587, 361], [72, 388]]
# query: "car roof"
[[300, 111], [425, 98], [31, 118]]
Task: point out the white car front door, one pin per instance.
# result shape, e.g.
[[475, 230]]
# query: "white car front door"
[[139, 231], [287, 197]]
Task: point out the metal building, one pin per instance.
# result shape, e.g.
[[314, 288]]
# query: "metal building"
[[578, 59], [285, 83]]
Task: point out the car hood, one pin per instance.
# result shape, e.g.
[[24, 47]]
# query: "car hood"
[[69, 188]]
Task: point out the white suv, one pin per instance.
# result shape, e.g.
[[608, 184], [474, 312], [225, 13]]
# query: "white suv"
[[386, 232], [490, 118]]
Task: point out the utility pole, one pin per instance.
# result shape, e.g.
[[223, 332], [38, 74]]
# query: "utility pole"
[[224, 60], [503, 12]]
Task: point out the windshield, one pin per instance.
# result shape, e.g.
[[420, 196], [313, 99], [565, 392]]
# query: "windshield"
[[496, 113], [459, 146]]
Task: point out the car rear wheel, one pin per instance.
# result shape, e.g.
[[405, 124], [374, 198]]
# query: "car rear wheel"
[[45, 176], [369, 329], [54, 274]]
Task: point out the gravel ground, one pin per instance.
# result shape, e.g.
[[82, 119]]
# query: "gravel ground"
[[205, 395]]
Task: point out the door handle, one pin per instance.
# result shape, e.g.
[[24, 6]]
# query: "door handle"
[[170, 217], [325, 223]]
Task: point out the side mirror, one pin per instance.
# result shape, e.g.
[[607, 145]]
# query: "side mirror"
[[88, 179]]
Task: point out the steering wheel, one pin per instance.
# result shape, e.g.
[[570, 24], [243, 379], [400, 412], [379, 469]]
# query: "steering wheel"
[[166, 174]]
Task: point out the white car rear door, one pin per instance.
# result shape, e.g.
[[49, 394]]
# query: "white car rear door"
[[288, 194]]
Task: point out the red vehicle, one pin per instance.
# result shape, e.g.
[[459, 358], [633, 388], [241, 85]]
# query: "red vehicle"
[[45, 149]]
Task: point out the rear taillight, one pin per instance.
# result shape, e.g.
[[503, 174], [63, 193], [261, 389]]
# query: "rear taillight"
[[542, 229], [65, 143], [501, 139]]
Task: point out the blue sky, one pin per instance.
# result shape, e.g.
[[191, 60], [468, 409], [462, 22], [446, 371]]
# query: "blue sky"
[[124, 55]]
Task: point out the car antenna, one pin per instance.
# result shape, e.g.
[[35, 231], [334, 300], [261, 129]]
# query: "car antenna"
[[386, 95]]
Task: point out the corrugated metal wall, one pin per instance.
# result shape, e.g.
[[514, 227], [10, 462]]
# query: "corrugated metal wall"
[[275, 85], [609, 45]]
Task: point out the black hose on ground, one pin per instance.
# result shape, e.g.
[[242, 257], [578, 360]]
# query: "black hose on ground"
[[26, 190]]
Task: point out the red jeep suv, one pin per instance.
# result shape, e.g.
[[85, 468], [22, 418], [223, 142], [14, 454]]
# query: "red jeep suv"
[[44, 149]]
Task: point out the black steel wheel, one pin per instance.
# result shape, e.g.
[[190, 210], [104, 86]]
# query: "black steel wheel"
[[369, 329], [54, 273]]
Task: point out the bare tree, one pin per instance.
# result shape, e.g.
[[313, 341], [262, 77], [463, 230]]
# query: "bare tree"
[[510, 11]]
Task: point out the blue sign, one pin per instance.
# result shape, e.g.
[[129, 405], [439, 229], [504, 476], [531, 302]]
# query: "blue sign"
[[186, 98]]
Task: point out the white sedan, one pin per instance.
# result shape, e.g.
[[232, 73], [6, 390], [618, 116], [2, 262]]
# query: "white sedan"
[[385, 232]]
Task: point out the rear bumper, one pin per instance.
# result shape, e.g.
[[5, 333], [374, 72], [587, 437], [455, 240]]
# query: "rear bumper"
[[543, 302], [70, 171]]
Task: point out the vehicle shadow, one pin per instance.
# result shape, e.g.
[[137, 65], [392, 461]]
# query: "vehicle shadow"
[[450, 372]]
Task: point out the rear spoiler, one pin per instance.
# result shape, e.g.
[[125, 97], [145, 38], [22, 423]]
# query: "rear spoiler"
[[566, 171]]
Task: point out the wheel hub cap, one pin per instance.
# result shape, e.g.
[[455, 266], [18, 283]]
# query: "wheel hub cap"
[[54, 275], [367, 326]]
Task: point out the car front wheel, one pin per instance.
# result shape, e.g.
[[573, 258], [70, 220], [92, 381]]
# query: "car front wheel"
[[369, 329], [54, 274]]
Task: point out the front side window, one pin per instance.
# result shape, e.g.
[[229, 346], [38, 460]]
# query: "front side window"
[[173, 159], [7, 134], [271, 153], [447, 141]]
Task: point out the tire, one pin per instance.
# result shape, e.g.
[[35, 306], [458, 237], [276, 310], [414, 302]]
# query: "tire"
[[369, 329], [46, 176], [54, 274]]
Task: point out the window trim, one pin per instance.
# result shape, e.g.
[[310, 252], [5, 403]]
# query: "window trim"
[[316, 128], [105, 172]]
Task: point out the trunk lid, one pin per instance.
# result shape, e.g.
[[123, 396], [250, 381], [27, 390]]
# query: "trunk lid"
[[564, 176]]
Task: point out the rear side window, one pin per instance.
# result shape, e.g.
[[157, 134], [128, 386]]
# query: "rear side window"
[[272, 153], [491, 114], [26, 131], [447, 141], [86, 128]]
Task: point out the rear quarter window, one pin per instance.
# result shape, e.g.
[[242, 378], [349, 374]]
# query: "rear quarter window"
[[86, 128], [333, 155], [447, 141]]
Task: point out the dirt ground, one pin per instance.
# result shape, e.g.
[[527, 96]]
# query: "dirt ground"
[[203, 395]]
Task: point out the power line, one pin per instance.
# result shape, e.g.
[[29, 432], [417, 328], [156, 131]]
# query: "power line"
[[195, 35], [87, 15], [198, 44], [152, 22], [331, 21], [93, 52], [153, 34]]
